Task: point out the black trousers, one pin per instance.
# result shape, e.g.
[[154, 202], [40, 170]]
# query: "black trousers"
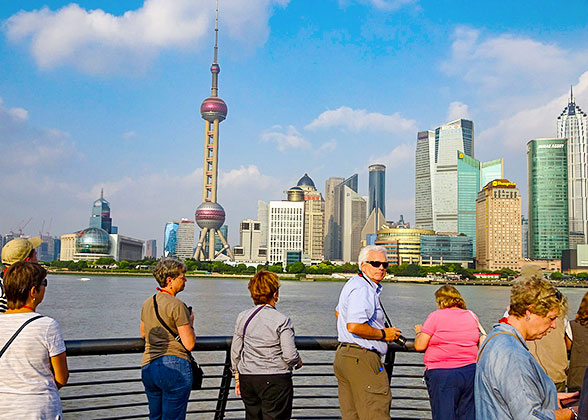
[[267, 397]]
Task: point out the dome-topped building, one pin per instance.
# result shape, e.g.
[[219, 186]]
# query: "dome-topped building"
[[306, 181], [93, 240]]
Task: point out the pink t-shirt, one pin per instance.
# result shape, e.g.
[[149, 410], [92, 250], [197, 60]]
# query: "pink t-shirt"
[[454, 338]]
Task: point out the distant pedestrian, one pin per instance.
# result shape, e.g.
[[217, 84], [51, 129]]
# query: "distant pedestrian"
[[364, 386], [165, 369], [263, 353], [579, 353], [18, 249], [33, 366], [450, 337]]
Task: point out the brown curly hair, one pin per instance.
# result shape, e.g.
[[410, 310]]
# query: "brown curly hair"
[[536, 295], [263, 286], [449, 297], [582, 315]]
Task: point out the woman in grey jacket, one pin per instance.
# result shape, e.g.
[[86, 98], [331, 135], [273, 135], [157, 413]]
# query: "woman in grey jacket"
[[263, 353]]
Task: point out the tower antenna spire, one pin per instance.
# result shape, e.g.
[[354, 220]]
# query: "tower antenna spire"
[[216, 34], [571, 93], [215, 68]]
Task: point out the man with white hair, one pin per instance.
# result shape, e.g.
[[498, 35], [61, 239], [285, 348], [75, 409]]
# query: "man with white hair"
[[364, 386]]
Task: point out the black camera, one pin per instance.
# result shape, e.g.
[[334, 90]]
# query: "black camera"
[[401, 341]]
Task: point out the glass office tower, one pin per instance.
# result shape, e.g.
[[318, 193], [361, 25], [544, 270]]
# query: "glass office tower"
[[101, 214], [547, 175], [377, 188], [472, 175], [170, 238]]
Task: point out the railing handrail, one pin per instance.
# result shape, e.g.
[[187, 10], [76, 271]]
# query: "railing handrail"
[[102, 346]]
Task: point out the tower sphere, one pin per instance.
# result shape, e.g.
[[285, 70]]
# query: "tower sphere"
[[213, 108], [210, 215]]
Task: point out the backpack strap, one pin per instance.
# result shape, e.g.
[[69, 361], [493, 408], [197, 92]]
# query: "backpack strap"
[[491, 337], [9, 342]]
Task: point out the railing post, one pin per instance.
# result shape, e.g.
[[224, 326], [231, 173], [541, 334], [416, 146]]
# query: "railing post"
[[225, 387]]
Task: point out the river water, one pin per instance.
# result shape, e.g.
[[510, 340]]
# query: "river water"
[[109, 307]]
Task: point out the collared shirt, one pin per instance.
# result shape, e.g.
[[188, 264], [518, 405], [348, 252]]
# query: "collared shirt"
[[509, 383], [359, 302], [268, 347]]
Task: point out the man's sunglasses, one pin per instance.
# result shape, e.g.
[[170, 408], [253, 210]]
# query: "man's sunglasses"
[[377, 264], [557, 295]]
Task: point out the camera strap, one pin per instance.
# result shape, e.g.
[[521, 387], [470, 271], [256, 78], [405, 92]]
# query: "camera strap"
[[387, 322]]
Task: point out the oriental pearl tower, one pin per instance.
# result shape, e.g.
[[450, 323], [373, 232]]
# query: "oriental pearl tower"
[[210, 215]]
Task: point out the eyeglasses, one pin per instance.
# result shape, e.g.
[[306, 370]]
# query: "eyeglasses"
[[377, 264]]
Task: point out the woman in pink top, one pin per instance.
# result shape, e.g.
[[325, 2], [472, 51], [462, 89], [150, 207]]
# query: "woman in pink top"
[[450, 338]]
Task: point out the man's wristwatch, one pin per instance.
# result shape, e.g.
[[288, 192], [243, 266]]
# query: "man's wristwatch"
[[574, 414], [383, 335]]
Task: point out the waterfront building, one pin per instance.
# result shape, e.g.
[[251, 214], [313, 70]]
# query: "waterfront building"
[[498, 228], [472, 175], [68, 246], [572, 124], [185, 239], [286, 227], [101, 214], [391, 246], [409, 242], [350, 217], [251, 249], [263, 217], [446, 249], [436, 183], [547, 175], [374, 222], [170, 238], [49, 248], [377, 189], [314, 213], [151, 249], [210, 215], [525, 237], [575, 260], [331, 226]]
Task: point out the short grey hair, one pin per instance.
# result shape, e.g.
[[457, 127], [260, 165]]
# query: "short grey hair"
[[168, 267], [363, 254]]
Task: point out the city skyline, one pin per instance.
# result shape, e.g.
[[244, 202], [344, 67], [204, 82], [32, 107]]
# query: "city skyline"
[[119, 111]]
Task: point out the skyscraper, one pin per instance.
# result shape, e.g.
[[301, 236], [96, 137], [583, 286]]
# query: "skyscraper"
[[377, 188], [170, 238], [210, 215], [436, 188], [331, 228], [251, 249], [498, 226], [572, 125], [314, 213], [547, 175], [471, 175], [349, 219], [185, 239], [101, 214], [286, 229], [151, 248]]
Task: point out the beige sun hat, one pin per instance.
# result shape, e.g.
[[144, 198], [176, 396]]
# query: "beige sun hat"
[[18, 249]]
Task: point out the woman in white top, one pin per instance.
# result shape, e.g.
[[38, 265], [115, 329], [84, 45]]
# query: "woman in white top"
[[33, 366]]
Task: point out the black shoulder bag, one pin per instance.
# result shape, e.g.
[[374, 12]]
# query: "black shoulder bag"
[[9, 342], [197, 372]]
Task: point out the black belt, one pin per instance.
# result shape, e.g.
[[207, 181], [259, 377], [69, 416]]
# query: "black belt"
[[356, 346]]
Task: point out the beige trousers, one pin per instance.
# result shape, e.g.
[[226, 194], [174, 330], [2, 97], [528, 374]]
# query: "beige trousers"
[[364, 388]]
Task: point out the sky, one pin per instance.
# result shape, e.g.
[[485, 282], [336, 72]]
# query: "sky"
[[106, 94]]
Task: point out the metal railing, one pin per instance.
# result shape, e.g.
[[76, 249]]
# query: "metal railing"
[[110, 387]]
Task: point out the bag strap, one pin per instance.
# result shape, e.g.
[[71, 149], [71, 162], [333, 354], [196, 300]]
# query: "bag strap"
[[245, 327], [9, 342], [490, 338], [482, 330], [175, 336]]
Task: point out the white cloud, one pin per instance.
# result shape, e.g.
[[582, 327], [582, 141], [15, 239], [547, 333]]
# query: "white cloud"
[[96, 41], [512, 63], [328, 146], [356, 120], [457, 110], [288, 139], [19, 114], [129, 135], [386, 5], [401, 156]]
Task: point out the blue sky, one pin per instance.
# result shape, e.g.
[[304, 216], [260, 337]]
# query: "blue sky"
[[106, 94]]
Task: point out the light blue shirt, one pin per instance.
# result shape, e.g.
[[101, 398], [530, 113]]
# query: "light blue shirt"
[[510, 384], [359, 302]]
